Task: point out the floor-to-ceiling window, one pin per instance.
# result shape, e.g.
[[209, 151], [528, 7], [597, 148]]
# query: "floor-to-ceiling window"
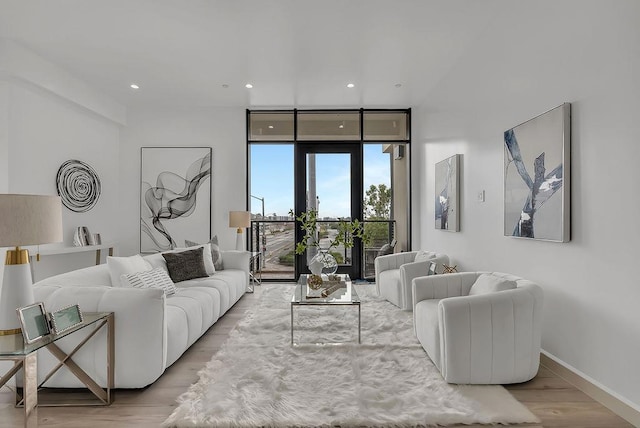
[[345, 164]]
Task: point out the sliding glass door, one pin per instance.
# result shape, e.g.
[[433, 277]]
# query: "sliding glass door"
[[329, 181]]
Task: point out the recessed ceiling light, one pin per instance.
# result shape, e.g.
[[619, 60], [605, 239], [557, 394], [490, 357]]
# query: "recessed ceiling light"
[[134, 86], [270, 126], [341, 126], [224, 85], [350, 85], [248, 86]]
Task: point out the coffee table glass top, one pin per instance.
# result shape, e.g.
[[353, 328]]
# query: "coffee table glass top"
[[345, 295]]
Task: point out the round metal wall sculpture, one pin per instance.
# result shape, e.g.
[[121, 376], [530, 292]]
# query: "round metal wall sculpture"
[[78, 185]]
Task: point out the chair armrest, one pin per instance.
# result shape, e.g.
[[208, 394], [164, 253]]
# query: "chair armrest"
[[391, 261], [442, 286], [491, 338], [408, 272]]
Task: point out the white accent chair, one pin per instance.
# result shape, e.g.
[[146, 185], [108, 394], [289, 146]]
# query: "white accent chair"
[[394, 273], [491, 337]]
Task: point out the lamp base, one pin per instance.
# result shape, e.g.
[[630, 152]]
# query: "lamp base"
[[239, 241], [16, 292]]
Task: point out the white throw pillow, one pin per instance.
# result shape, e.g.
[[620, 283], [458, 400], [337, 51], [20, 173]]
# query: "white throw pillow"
[[119, 266], [423, 256], [487, 283], [154, 278], [157, 261]]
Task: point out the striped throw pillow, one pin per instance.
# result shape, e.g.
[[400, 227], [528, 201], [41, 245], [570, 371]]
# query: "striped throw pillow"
[[154, 278]]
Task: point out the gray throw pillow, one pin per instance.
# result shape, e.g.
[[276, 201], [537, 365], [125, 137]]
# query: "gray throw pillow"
[[186, 265], [385, 250], [216, 255]]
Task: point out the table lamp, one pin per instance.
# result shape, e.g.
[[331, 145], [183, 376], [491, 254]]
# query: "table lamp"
[[240, 220], [24, 220]]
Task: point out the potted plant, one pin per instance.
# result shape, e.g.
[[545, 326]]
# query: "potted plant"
[[347, 231]]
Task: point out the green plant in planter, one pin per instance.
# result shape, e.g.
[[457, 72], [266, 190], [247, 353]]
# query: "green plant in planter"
[[347, 231]]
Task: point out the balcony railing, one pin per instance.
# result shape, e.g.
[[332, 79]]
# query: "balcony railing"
[[275, 240]]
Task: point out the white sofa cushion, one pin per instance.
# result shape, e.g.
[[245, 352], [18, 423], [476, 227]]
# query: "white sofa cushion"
[[119, 266], [154, 278], [487, 283]]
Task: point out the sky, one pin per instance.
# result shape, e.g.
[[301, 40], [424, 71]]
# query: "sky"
[[272, 178]]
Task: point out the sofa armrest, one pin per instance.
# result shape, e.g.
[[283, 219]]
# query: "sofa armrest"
[[491, 338], [240, 260], [139, 316]]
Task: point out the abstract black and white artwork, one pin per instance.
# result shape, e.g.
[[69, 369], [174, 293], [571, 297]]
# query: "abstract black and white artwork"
[[78, 185], [536, 177], [175, 196], [446, 194]]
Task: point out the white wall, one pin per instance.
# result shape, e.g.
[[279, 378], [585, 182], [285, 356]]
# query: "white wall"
[[4, 137], [530, 60], [44, 122], [223, 129]]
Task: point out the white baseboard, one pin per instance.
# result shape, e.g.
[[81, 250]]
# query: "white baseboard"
[[592, 388]]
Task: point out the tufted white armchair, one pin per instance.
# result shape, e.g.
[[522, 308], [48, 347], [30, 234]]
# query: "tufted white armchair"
[[488, 338], [394, 273]]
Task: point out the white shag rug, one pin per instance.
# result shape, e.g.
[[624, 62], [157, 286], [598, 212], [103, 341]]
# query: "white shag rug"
[[259, 379]]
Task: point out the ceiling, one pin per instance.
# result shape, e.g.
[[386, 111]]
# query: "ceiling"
[[296, 53]]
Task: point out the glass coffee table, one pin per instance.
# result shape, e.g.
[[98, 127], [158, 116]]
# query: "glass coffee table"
[[343, 294]]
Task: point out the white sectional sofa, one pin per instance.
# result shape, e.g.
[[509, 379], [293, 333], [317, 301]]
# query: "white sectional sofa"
[[151, 330]]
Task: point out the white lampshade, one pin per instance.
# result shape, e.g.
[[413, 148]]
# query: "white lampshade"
[[239, 220], [30, 220], [24, 220]]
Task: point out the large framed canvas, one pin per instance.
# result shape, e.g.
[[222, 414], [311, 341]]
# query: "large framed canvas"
[[447, 190], [537, 177], [175, 196]]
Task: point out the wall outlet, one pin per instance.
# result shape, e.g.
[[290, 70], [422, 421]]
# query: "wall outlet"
[[480, 197]]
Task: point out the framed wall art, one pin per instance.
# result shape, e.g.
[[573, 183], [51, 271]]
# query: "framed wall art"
[[175, 196], [447, 191], [537, 177]]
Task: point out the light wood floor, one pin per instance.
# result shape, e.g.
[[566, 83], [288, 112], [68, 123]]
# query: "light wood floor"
[[553, 400]]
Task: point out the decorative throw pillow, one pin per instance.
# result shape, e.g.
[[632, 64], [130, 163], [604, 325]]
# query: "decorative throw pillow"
[[385, 250], [206, 256], [154, 278], [487, 283], [123, 265], [157, 261], [424, 256], [216, 255], [185, 265]]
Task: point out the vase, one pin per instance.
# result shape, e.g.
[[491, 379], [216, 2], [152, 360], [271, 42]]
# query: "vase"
[[328, 262]]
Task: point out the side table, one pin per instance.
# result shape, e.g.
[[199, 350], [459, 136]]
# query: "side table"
[[255, 270], [25, 359]]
